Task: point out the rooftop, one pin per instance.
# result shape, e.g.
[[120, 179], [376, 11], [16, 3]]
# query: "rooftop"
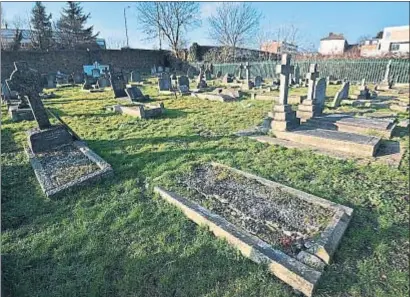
[[333, 36]]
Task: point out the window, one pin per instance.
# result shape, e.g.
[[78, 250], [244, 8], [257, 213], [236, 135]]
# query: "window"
[[388, 34], [394, 46]]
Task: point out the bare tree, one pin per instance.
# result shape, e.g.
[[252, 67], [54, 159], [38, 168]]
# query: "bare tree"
[[168, 20], [363, 38], [234, 24]]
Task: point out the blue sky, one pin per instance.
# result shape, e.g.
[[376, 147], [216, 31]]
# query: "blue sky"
[[314, 20]]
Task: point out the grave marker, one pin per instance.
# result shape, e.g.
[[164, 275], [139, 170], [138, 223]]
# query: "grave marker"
[[309, 107], [118, 84], [343, 93]]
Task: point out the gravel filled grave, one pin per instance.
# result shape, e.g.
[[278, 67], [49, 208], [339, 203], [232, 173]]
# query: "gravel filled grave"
[[274, 215], [66, 164]]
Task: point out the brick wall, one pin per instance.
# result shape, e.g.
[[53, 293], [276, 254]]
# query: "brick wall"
[[73, 61]]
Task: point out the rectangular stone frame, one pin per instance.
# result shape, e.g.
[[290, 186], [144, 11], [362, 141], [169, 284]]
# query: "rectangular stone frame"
[[297, 272], [44, 181]]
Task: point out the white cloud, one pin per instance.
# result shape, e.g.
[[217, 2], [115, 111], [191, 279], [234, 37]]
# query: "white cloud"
[[209, 8]]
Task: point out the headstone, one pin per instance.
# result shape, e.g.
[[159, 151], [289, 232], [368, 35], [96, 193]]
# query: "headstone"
[[135, 76], [102, 82], [227, 78], [134, 93], [160, 69], [284, 118], [258, 81], [297, 74], [207, 75], [343, 93], [51, 81], [240, 70], [87, 83], [248, 84], [118, 84], [183, 81], [78, 78], [190, 73], [320, 94], [5, 92], [167, 69], [309, 107], [154, 70], [164, 82], [95, 73], [219, 74], [27, 82]]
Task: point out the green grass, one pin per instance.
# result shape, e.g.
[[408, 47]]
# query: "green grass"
[[116, 238]]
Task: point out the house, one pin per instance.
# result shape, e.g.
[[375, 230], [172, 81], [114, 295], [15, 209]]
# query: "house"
[[279, 47], [334, 44], [394, 40]]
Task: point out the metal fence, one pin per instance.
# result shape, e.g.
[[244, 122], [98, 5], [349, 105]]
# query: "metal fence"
[[354, 70]]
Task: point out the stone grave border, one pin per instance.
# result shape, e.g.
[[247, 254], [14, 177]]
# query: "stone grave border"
[[297, 272], [45, 183]]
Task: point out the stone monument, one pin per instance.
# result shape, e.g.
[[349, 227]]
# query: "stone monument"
[[284, 118], [308, 108]]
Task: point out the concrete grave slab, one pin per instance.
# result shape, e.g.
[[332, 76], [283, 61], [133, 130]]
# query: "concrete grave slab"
[[142, 111], [293, 251]]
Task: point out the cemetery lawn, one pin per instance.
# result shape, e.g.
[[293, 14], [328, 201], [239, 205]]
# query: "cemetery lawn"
[[117, 238]]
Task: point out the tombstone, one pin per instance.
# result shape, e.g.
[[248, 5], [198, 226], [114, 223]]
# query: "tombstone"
[[164, 82], [135, 76], [135, 94], [308, 109], [201, 83], [160, 69], [284, 118], [219, 74], [167, 69], [154, 70], [227, 78], [208, 75], [51, 81], [27, 83], [320, 94], [258, 81], [118, 84], [15, 96], [248, 84], [190, 73], [78, 78], [103, 82], [343, 93], [183, 84], [239, 73], [297, 75], [87, 83]]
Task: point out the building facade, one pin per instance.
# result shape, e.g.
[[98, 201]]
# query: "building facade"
[[395, 40], [334, 44], [279, 47]]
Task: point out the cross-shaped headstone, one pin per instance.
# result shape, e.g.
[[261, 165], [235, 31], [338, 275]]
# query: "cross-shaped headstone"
[[284, 71], [248, 71], [311, 76], [387, 73], [27, 82]]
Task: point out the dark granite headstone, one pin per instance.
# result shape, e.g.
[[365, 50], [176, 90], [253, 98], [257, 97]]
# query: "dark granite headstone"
[[227, 78], [51, 81], [219, 74], [164, 82], [258, 81], [134, 94], [118, 84], [135, 76]]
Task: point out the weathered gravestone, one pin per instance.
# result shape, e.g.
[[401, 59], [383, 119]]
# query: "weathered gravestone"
[[27, 82], [320, 94], [258, 81], [297, 75], [95, 73], [135, 77], [164, 83], [248, 84], [219, 74], [18, 105], [51, 81], [387, 82], [103, 82], [284, 118], [183, 84], [239, 73], [118, 84], [190, 73], [228, 78], [135, 94], [78, 78], [143, 111], [208, 75], [343, 93], [309, 107], [87, 83], [201, 83]]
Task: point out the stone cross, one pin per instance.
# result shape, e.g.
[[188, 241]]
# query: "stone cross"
[[27, 82], [248, 72], [311, 76], [285, 69]]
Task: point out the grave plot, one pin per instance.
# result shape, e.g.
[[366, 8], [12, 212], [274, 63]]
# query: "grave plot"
[[293, 232], [142, 111], [59, 159]]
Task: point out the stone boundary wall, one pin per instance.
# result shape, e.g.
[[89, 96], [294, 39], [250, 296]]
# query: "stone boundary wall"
[[69, 61]]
